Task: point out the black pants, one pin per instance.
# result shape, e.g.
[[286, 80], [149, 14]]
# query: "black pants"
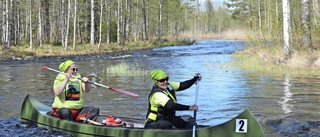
[[89, 112], [171, 122]]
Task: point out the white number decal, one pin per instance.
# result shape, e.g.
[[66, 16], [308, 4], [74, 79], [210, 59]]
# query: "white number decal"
[[241, 125]]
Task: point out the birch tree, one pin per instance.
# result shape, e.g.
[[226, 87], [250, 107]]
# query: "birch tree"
[[39, 24], [136, 20], [30, 23], [286, 28], [144, 18], [92, 24], [316, 12], [119, 22], [68, 25], [306, 29], [259, 16], [9, 8], [209, 14], [6, 26], [108, 7], [75, 24], [159, 19], [2, 20], [62, 22], [100, 22]]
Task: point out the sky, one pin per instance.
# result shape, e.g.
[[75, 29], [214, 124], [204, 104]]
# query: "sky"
[[216, 3], [213, 1]]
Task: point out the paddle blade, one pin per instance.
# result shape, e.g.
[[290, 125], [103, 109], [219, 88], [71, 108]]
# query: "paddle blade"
[[45, 67], [124, 92]]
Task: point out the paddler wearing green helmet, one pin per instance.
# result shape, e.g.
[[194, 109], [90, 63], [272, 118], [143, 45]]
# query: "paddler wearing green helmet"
[[69, 94], [163, 103]]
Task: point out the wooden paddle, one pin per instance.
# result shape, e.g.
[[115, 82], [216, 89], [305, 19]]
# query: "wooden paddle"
[[91, 121], [195, 111], [95, 83]]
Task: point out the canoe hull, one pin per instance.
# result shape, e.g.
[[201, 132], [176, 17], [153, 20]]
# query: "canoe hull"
[[34, 112]]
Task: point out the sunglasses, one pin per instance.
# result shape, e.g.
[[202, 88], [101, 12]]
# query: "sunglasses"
[[163, 80], [74, 69]]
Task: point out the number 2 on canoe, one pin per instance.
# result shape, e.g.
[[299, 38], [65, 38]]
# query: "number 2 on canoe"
[[241, 125]]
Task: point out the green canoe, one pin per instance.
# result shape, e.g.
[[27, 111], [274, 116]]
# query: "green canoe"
[[34, 112]]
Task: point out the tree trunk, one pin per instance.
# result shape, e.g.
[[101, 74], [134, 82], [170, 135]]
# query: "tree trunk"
[[9, 8], [92, 24], [18, 21], [306, 29], [135, 22], [39, 24], [6, 24], [80, 33], [100, 24], [260, 24], [62, 22], [316, 11], [75, 25], [119, 22], [68, 25], [30, 23], [159, 19], [144, 18], [46, 18], [108, 7], [198, 18], [128, 20], [286, 28]]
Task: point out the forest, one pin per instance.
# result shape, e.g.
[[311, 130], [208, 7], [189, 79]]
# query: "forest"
[[293, 24]]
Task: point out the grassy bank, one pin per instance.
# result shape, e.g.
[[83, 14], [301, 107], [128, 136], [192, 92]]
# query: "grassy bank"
[[80, 49], [58, 50], [269, 61], [267, 58]]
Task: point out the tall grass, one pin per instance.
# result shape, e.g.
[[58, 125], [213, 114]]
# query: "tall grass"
[[269, 60], [125, 69]]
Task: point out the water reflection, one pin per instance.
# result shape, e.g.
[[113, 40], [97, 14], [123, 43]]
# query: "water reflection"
[[285, 103]]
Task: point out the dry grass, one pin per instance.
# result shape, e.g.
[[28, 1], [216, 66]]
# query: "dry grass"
[[190, 35], [58, 50], [269, 60], [232, 34]]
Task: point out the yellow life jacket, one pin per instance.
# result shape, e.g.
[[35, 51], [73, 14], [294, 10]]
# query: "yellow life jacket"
[[154, 112]]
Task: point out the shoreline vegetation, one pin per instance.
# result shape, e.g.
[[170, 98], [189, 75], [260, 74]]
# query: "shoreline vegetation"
[[259, 57]]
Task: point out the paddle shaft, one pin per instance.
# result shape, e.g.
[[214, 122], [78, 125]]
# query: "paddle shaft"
[[95, 83], [195, 111], [91, 121]]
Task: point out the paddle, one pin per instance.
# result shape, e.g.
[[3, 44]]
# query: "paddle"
[[195, 111], [95, 83], [91, 121]]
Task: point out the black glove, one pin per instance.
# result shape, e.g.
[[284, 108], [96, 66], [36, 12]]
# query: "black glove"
[[197, 76]]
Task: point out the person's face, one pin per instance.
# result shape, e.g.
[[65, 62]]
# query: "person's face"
[[163, 83], [73, 69]]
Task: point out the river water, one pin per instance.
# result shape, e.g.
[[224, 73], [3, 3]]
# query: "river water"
[[284, 106]]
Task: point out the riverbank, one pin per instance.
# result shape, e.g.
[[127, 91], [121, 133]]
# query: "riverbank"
[[265, 59], [16, 52], [270, 60], [48, 50]]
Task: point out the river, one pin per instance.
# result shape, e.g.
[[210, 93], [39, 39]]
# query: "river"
[[284, 106]]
